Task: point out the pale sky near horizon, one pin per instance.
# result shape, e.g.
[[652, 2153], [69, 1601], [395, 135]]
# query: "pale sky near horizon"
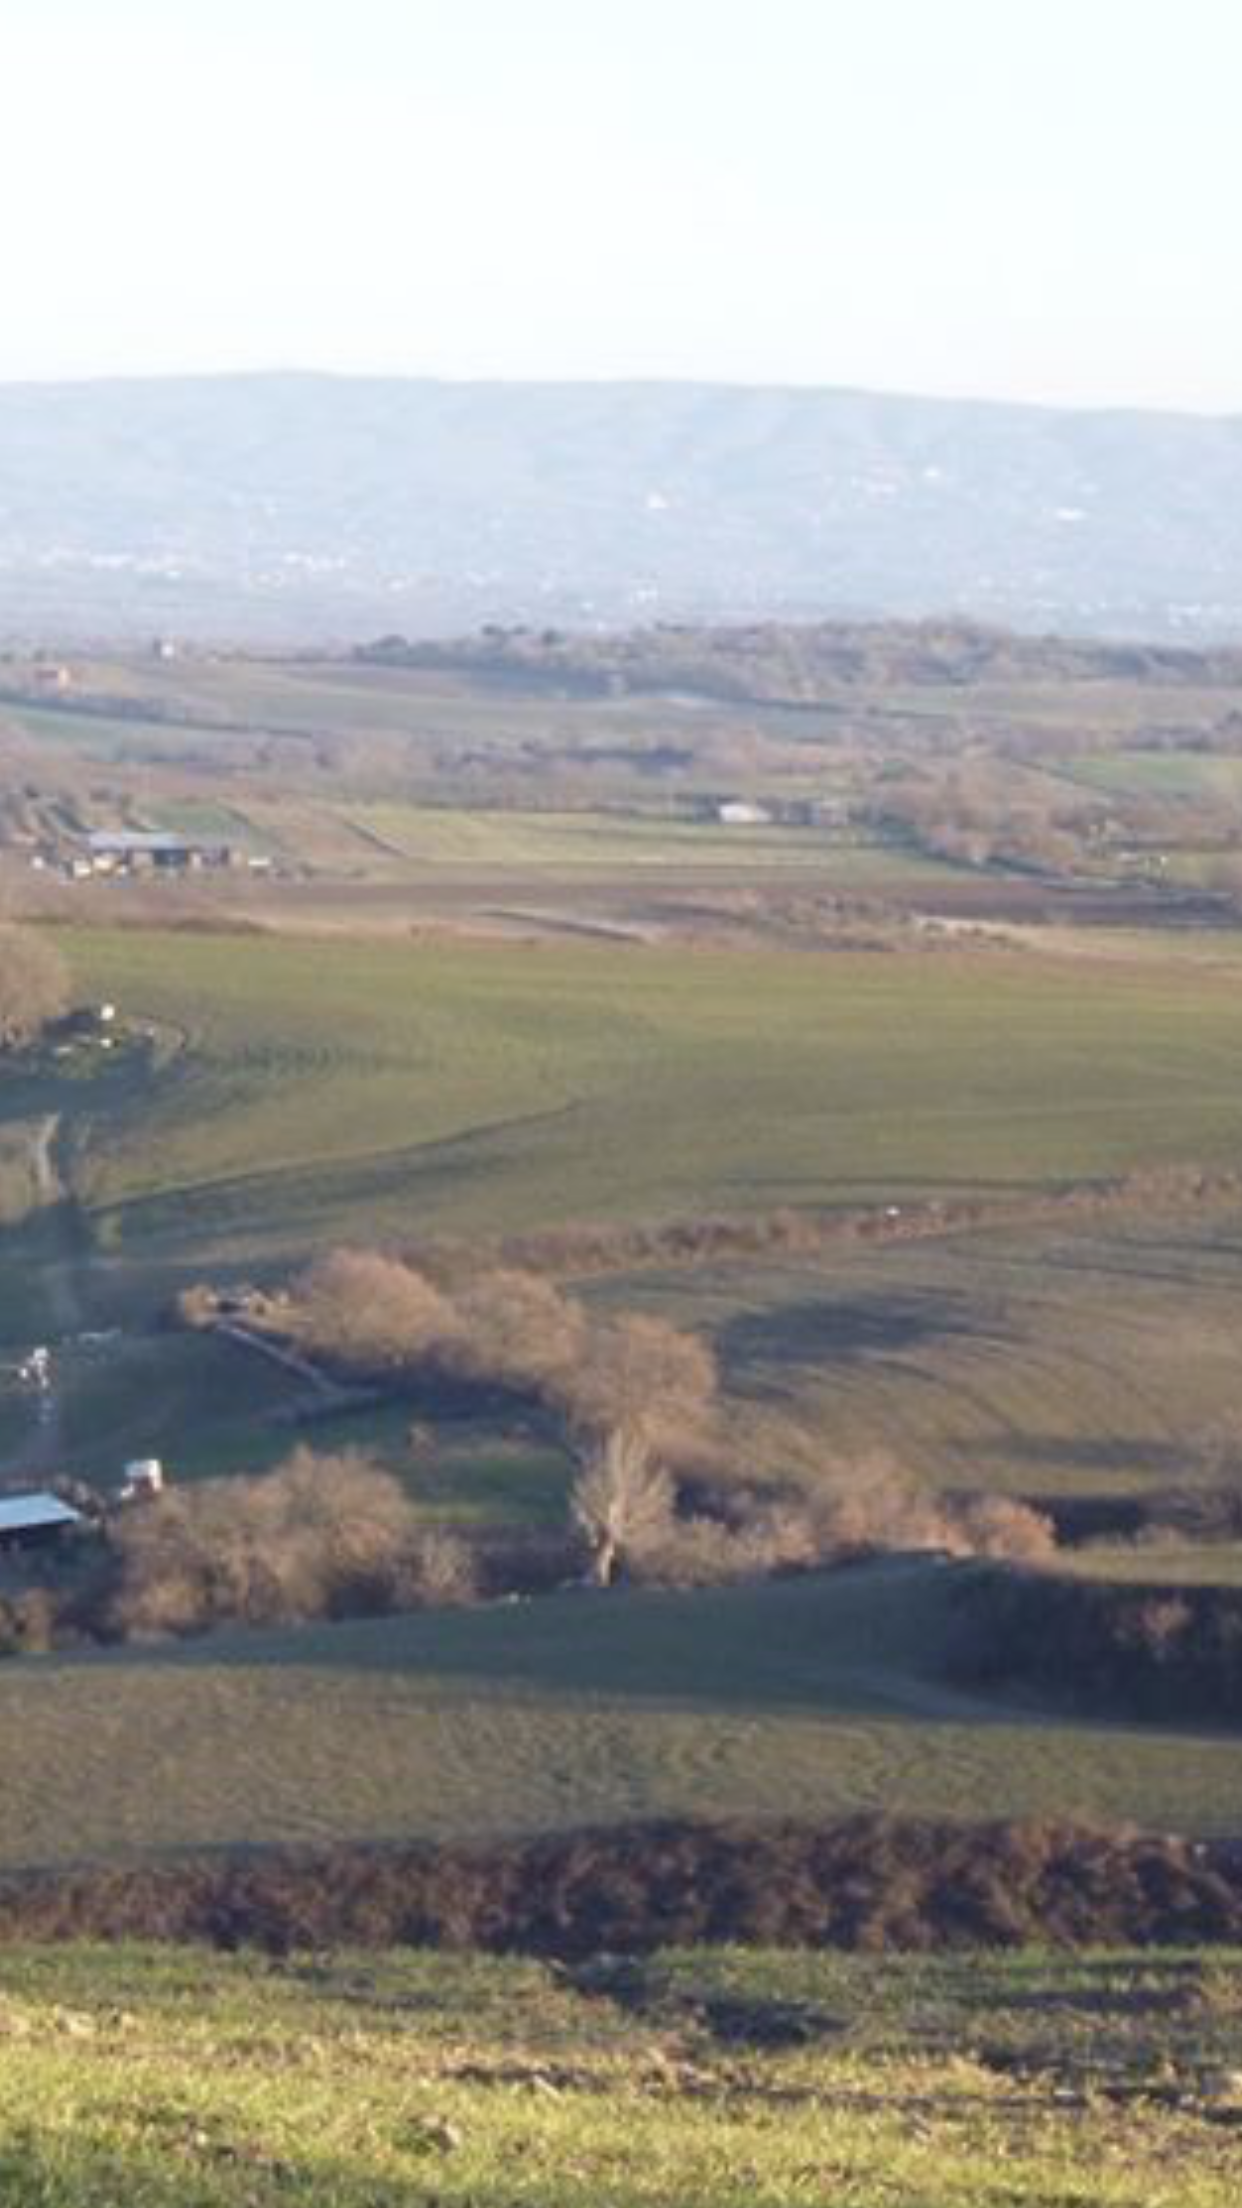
[[1029, 199]]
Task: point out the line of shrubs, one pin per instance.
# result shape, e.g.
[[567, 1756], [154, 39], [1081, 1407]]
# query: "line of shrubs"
[[1146, 1651], [868, 1883], [583, 1248]]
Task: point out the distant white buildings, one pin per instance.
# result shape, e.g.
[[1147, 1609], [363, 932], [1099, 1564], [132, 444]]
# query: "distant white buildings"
[[742, 812]]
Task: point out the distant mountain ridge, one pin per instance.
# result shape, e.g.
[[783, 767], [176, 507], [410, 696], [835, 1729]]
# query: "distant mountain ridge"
[[288, 508]]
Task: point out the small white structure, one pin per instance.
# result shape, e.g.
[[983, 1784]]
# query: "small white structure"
[[36, 1371], [144, 1477], [743, 812]]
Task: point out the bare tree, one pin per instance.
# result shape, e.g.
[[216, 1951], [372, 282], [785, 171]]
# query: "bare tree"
[[34, 986], [640, 1392], [622, 1503]]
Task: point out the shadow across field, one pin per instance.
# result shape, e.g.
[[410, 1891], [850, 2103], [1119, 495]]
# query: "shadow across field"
[[847, 1330], [1117, 1454], [869, 1640]]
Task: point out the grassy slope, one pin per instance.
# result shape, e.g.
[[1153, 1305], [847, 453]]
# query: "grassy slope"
[[354, 1091], [343, 1087], [809, 1696], [1094, 1358], [181, 2080]]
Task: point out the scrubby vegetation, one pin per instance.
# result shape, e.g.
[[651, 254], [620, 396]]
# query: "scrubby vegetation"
[[874, 1883], [320, 1537], [673, 1484], [1152, 1651]]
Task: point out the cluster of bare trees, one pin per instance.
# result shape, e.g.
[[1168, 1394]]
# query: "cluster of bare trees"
[[633, 1397], [34, 986], [671, 1483], [969, 814], [319, 1537]]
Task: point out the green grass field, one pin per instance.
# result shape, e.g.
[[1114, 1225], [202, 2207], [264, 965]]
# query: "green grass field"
[[1099, 1362], [299, 1093], [329, 1088], [814, 1697], [1185, 774], [1091, 1359], [175, 2079]]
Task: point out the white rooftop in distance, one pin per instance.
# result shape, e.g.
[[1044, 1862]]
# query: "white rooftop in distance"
[[114, 843], [24, 1513]]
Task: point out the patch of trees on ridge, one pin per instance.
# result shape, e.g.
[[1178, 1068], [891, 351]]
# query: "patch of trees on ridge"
[[791, 663]]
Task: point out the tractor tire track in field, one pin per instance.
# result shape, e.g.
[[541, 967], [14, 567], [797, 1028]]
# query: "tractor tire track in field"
[[60, 1265], [60, 1274]]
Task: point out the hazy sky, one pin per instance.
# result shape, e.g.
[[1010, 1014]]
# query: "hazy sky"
[[1027, 198]]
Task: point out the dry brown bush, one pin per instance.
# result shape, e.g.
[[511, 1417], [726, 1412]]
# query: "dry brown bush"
[[195, 1307], [515, 1330], [641, 1377], [999, 1526], [865, 1883], [320, 1537], [29, 1622], [371, 1313], [863, 1505]]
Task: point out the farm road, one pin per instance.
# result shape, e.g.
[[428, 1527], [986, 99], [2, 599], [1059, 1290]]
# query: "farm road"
[[59, 1271]]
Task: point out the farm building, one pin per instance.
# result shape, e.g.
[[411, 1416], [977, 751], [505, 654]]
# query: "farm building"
[[135, 851], [35, 1521]]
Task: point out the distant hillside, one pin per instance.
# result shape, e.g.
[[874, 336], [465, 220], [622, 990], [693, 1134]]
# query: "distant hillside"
[[287, 507], [799, 663]]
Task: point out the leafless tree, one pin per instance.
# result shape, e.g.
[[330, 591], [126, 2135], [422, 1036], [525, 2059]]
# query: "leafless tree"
[[622, 1503], [640, 1391]]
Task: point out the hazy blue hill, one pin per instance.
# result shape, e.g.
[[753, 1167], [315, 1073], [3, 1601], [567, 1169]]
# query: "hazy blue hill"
[[292, 505]]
